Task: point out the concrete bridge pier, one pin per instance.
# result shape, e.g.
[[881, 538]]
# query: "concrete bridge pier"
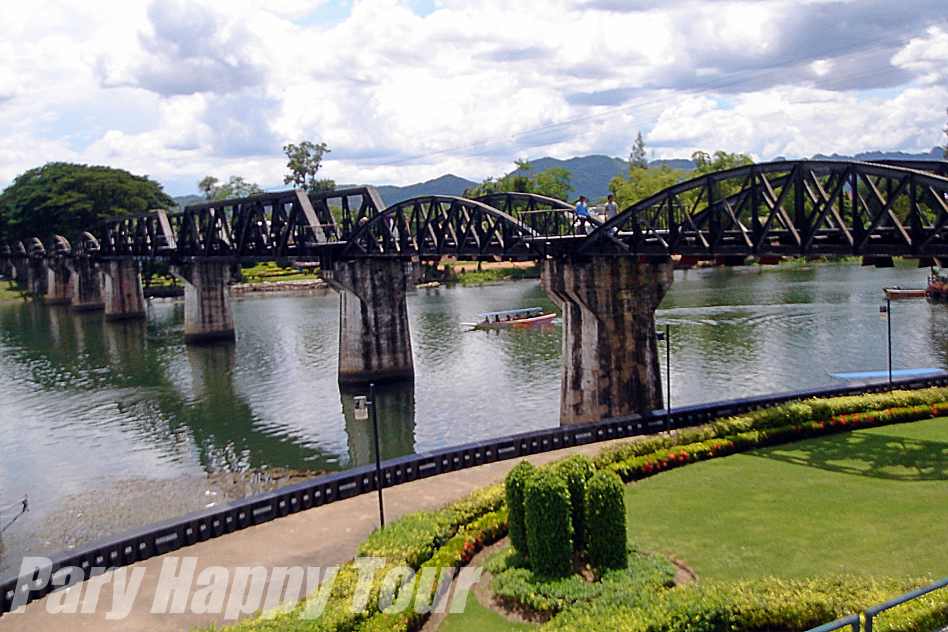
[[208, 316], [610, 351], [37, 277], [58, 280], [20, 269], [86, 285], [122, 290], [374, 339]]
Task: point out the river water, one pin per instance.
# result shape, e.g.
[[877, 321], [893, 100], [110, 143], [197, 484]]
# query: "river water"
[[107, 426]]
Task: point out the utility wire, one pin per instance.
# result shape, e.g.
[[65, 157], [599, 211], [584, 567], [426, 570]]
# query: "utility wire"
[[744, 76]]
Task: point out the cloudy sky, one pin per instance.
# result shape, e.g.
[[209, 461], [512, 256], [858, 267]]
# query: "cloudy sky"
[[406, 90]]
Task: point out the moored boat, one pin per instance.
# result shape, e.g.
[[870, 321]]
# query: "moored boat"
[[899, 293]]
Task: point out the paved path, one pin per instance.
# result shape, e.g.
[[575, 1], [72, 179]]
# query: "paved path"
[[323, 536]]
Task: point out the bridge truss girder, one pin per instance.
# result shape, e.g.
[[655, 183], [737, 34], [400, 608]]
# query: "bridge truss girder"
[[787, 208]]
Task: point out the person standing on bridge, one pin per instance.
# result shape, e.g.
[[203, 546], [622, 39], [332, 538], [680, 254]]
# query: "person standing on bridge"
[[582, 213], [612, 209]]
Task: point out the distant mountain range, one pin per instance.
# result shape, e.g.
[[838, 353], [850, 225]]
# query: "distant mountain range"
[[589, 175], [187, 200], [448, 184], [937, 153]]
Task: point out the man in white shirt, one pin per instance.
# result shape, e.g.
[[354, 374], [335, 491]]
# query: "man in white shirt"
[[612, 209]]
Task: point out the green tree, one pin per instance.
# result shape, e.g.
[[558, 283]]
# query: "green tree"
[[642, 182], [235, 187], [207, 186], [719, 161], [553, 182], [519, 179], [64, 198], [303, 162], [637, 157]]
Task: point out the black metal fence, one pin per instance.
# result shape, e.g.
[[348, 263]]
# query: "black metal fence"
[[164, 537]]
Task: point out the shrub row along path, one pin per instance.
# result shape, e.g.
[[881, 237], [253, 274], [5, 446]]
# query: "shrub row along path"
[[322, 536]]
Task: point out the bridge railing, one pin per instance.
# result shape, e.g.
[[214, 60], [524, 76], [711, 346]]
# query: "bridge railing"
[[171, 535], [866, 619]]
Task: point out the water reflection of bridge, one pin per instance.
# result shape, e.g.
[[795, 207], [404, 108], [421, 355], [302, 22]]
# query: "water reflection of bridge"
[[183, 402]]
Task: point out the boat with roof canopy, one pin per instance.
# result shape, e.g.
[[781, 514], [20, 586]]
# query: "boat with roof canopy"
[[524, 317]]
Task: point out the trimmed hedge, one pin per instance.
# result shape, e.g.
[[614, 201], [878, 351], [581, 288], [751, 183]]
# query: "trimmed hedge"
[[605, 517], [414, 538], [763, 604], [666, 458], [576, 471], [513, 486], [548, 522], [456, 552], [786, 414]]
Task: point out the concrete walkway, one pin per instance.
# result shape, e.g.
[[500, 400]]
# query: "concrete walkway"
[[321, 537]]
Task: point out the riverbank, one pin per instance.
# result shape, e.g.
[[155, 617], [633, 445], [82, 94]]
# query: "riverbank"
[[471, 273], [269, 287], [9, 292]]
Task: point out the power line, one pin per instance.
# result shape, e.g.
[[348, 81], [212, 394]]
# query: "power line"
[[744, 76]]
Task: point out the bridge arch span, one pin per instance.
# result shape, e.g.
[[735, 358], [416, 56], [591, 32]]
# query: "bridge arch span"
[[786, 208], [442, 225], [546, 215], [59, 246]]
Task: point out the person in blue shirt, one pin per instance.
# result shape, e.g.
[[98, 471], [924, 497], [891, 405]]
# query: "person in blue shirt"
[[582, 212]]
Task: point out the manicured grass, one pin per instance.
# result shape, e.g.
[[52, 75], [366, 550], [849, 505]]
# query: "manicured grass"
[[480, 619], [869, 502]]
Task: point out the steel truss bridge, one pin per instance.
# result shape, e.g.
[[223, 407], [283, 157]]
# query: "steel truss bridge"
[[787, 208]]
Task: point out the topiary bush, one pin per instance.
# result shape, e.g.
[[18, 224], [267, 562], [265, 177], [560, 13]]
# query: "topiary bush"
[[549, 523], [514, 486], [606, 540], [576, 470]]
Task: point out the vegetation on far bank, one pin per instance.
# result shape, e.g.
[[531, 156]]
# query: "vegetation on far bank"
[[10, 292], [470, 273], [269, 272]]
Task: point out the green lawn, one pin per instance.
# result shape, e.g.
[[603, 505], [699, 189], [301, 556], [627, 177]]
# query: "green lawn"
[[480, 619], [872, 502]]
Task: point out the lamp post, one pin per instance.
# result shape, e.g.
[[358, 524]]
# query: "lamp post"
[[886, 311], [666, 336], [668, 369], [362, 405]]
